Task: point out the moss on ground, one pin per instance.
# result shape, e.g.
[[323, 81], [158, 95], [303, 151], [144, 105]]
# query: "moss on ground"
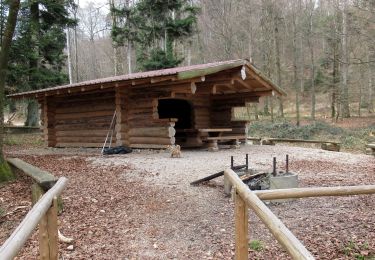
[[351, 139], [5, 172]]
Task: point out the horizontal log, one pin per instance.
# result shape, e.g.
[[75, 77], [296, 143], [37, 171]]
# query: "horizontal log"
[[202, 112], [86, 145], [122, 127], [134, 110], [82, 133], [86, 102], [142, 104], [83, 127], [202, 118], [148, 146], [152, 132], [122, 136], [229, 137], [201, 124], [84, 109], [45, 179], [87, 121], [301, 141], [18, 238], [315, 192], [81, 139], [291, 244], [152, 140], [79, 97], [146, 116], [84, 115]]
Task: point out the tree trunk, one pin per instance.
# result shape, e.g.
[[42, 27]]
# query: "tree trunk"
[[277, 57], [32, 113], [312, 59], [335, 79], [295, 70], [129, 56], [76, 47], [345, 113], [371, 72], [5, 172], [69, 56]]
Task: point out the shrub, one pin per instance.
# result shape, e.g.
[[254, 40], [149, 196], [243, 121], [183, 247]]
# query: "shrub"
[[256, 245]]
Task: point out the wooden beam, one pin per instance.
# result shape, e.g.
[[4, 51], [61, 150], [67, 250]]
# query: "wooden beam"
[[48, 245], [241, 228], [162, 78], [214, 87], [315, 192], [243, 72], [193, 87], [242, 83], [264, 82], [290, 243], [44, 179], [18, 238]]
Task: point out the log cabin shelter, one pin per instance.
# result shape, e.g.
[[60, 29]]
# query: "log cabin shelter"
[[190, 106]]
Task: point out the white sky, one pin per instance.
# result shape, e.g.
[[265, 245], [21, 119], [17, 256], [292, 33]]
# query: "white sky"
[[83, 3]]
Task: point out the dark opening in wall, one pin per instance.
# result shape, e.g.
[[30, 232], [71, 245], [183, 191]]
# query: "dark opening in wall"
[[176, 108]]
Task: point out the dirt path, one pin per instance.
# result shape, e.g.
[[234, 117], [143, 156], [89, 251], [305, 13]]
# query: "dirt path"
[[141, 206]]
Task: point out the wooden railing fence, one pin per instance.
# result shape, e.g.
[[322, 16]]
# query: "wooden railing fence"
[[44, 213], [245, 198]]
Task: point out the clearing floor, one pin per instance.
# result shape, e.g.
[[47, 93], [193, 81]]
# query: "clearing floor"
[[141, 205]]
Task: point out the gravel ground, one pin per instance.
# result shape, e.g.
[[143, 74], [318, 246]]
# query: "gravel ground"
[[141, 206]]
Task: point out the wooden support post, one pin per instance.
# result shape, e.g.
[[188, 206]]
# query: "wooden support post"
[[236, 144], [49, 122], [227, 186], [36, 193], [241, 228], [119, 117], [48, 245], [213, 146], [291, 244]]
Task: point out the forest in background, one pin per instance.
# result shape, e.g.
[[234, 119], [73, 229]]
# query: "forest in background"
[[322, 53]]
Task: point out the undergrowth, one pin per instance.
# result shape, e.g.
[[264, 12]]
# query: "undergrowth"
[[256, 245], [358, 250], [23, 139], [355, 139]]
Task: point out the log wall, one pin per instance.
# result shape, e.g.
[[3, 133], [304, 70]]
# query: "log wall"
[[83, 120], [221, 115], [201, 111], [145, 129]]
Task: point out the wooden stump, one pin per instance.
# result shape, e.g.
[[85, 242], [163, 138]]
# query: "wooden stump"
[[212, 146], [235, 144], [267, 142], [330, 147]]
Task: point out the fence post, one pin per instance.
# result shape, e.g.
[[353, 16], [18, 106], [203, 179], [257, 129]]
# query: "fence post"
[[48, 246], [241, 227]]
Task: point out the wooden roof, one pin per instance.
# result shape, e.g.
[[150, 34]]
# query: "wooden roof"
[[235, 75]]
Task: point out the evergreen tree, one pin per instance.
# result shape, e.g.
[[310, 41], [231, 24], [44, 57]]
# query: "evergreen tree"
[[6, 41], [156, 26], [37, 56]]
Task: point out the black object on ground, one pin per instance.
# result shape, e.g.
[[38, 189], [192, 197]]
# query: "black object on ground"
[[213, 176], [117, 150]]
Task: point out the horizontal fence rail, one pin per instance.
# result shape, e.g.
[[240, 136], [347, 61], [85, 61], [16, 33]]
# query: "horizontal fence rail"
[[15, 242], [314, 192], [283, 235]]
